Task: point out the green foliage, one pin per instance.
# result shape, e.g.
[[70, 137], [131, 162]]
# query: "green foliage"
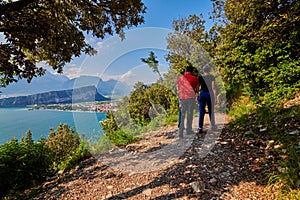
[[287, 180], [26, 163], [258, 48], [190, 44], [66, 146], [172, 119], [152, 63], [139, 104], [23, 164], [146, 102], [81, 153], [113, 131], [120, 138], [161, 98], [109, 126], [53, 31], [101, 146], [240, 110]]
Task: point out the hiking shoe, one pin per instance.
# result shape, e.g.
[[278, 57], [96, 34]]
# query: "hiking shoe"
[[200, 131]]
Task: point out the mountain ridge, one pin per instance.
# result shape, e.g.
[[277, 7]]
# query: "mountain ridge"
[[57, 82], [83, 94]]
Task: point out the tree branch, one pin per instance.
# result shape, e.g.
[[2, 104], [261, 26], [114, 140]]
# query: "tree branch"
[[14, 6]]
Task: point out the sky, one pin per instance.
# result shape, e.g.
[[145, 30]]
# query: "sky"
[[121, 60]]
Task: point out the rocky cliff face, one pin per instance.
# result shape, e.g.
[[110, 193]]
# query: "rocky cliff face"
[[83, 94]]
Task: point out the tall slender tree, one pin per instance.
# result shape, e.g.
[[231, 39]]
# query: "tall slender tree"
[[152, 63]]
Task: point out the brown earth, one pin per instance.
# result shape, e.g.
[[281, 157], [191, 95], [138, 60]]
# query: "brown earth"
[[213, 165]]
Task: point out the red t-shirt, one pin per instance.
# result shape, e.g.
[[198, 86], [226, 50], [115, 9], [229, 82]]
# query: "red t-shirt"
[[188, 86]]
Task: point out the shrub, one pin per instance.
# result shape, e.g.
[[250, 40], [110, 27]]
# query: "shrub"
[[23, 164], [80, 154], [66, 146], [100, 146]]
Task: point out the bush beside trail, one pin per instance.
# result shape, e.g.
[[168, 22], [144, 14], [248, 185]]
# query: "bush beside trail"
[[27, 163]]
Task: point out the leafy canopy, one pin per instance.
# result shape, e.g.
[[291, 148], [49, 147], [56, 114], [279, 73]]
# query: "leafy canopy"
[[53, 31], [259, 48]]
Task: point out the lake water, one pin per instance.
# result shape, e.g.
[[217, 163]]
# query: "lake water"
[[17, 121]]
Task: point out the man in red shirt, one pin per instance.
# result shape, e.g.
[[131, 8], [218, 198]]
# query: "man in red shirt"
[[188, 88]]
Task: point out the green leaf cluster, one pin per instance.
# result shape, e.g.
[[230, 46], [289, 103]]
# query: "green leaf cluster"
[[146, 102], [113, 130], [23, 164], [27, 163], [66, 147], [258, 52]]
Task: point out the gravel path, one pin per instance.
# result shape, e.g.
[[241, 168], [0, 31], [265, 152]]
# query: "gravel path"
[[214, 165]]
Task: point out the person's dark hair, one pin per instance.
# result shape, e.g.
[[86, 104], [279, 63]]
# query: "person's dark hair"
[[189, 68], [206, 69]]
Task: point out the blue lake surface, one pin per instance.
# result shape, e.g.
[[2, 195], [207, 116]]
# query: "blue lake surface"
[[15, 122]]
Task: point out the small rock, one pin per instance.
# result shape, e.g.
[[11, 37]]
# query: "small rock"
[[60, 172], [213, 181], [270, 142], [277, 146], [172, 184], [282, 169], [197, 186], [223, 142], [284, 150], [225, 174], [155, 179], [147, 192], [294, 132], [51, 178], [110, 187], [262, 129]]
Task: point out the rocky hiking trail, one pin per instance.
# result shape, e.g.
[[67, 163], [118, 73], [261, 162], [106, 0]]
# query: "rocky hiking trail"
[[213, 165]]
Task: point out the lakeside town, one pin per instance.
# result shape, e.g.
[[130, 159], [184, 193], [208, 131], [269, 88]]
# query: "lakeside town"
[[80, 107]]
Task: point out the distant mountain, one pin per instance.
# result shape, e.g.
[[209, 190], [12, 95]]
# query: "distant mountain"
[[55, 82], [46, 83], [83, 94]]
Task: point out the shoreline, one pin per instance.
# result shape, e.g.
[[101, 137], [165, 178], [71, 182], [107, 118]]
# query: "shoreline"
[[77, 107]]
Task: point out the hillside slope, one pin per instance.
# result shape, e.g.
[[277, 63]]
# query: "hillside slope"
[[235, 167]]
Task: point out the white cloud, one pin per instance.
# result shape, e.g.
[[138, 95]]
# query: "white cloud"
[[71, 65], [99, 46], [138, 74], [128, 77], [72, 72], [90, 40]]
